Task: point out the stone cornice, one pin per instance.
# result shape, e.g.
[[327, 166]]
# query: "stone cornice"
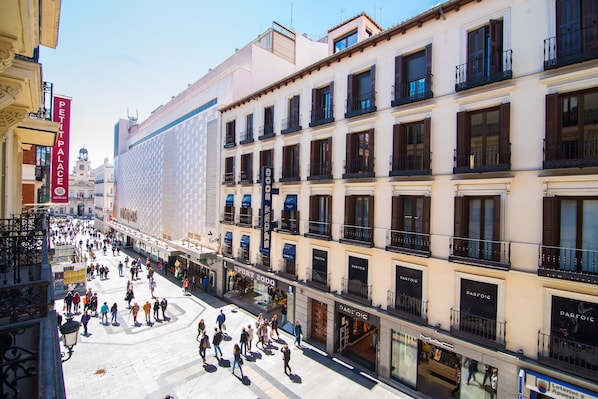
[[11, 116], [7, 52], [10, 89]]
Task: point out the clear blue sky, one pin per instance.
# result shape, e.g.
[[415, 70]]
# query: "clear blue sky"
[[119, 56]]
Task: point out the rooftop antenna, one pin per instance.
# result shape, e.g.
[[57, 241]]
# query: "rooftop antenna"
[[342, 10]]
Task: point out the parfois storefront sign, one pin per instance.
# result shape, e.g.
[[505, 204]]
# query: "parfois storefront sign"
[[60, 151]]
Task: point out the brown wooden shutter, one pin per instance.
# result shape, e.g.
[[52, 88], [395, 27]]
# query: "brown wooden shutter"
[[350, 93], [297, 168], [463, 139], [349, 157], [328, 156], [314, 105], [373, 86], [552, 127], [350, 209], [332, 99], [428, 77], [371, 213], [495, 46], [397, 213], [504, 149], [588, 23], [371, 150], [397, 145], [399, 78], [496, 222], [426, 215], [460, 222], [312, 158], [295, 108], [427, 133], [550, 221], [313, 209]]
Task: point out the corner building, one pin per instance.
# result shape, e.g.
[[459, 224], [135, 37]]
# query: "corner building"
[[437, 199]]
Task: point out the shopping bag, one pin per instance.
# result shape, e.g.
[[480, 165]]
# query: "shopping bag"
[[223, 327]]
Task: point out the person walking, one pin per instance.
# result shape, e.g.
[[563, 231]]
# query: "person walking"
[[85, 320], [104, 312], [114, 312], [120, 269], [135, 310], [201, 327], [274, 324], [163, 306], [157, 309], [297, 331], [286, 357], [147, 308], [237, 360], [249, 336], [185, 285], [132, 270], [243, 341], [93, 304], [220, 319], [129, 296], [283, 314], [152, 286], [76, 302], [204, 343], [193, 283], [206, 283], [68, 301], [472, 369], [216, 340]]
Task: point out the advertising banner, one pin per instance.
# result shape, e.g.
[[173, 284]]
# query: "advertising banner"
[[60, 151]]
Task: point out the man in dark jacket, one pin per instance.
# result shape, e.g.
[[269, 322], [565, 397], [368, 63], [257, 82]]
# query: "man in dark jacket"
[[216, 340]]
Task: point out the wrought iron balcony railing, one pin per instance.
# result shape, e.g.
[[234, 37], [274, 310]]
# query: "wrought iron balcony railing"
[[357, 290], [412, 91], [408, 242], [571, 47], [476, 252], [485, 331], [571, 153], [568, 263], [407, 307], [357, 234], [246, 136], [321, 116], [568, 355], [360, 104], [316, 229], [320, 170], [484, 70], [410, 164], [318, 279], [488, 158], [291, 124]]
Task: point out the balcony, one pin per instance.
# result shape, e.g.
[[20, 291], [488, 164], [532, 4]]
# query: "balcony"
[[243, 256], [229, 141], [568, 356], [266, 131], [410, 165], [288, 269], [572, 153], [357, 291], [413, 91], [227, 250], [357, 235], [406, 242], [361, 104], [244, 219], [571, 47], [257, 221], [289, 173], [319, 230], [407, 307], [320, 171], [359, 168], [227, 217], [287, 225], [291, 124], [262, 262], [476, 252], [31, 361], [246, 177], [322, 116], [568, 264], [318, 279], [246, 136], [228, 178], [480, 159], [481, 330], [484, 70]]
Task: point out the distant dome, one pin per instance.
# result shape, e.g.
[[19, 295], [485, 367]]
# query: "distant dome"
[[82, 151]]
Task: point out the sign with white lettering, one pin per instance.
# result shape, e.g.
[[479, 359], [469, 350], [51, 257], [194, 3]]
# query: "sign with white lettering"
[[253, 275], [574, 320], [409, 282], [435, 342], [60, 151], [479, 299], [353, 312], [266, 224]]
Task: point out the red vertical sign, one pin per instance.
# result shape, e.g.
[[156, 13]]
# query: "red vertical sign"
[[60, 151]]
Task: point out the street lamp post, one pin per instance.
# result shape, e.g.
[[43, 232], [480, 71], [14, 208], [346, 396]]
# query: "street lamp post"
[[70, 333]]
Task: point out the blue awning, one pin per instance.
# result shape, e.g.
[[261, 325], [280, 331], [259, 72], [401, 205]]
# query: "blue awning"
[[290, 203], [230, 200], [228, 237], [245, 242], [288, 252], [246, 202]]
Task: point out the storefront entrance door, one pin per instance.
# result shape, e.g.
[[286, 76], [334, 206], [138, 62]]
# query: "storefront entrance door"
[[319, 319]]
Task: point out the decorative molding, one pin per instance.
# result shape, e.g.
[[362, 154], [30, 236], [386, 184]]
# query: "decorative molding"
[[7, 52], [11, 116], [9, 91]]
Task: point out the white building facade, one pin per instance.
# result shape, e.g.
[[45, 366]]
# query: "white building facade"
[[435, 198], [103, 177]]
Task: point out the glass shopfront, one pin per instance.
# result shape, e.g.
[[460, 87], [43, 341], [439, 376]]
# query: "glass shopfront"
[[358, 335], [404, 358]]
